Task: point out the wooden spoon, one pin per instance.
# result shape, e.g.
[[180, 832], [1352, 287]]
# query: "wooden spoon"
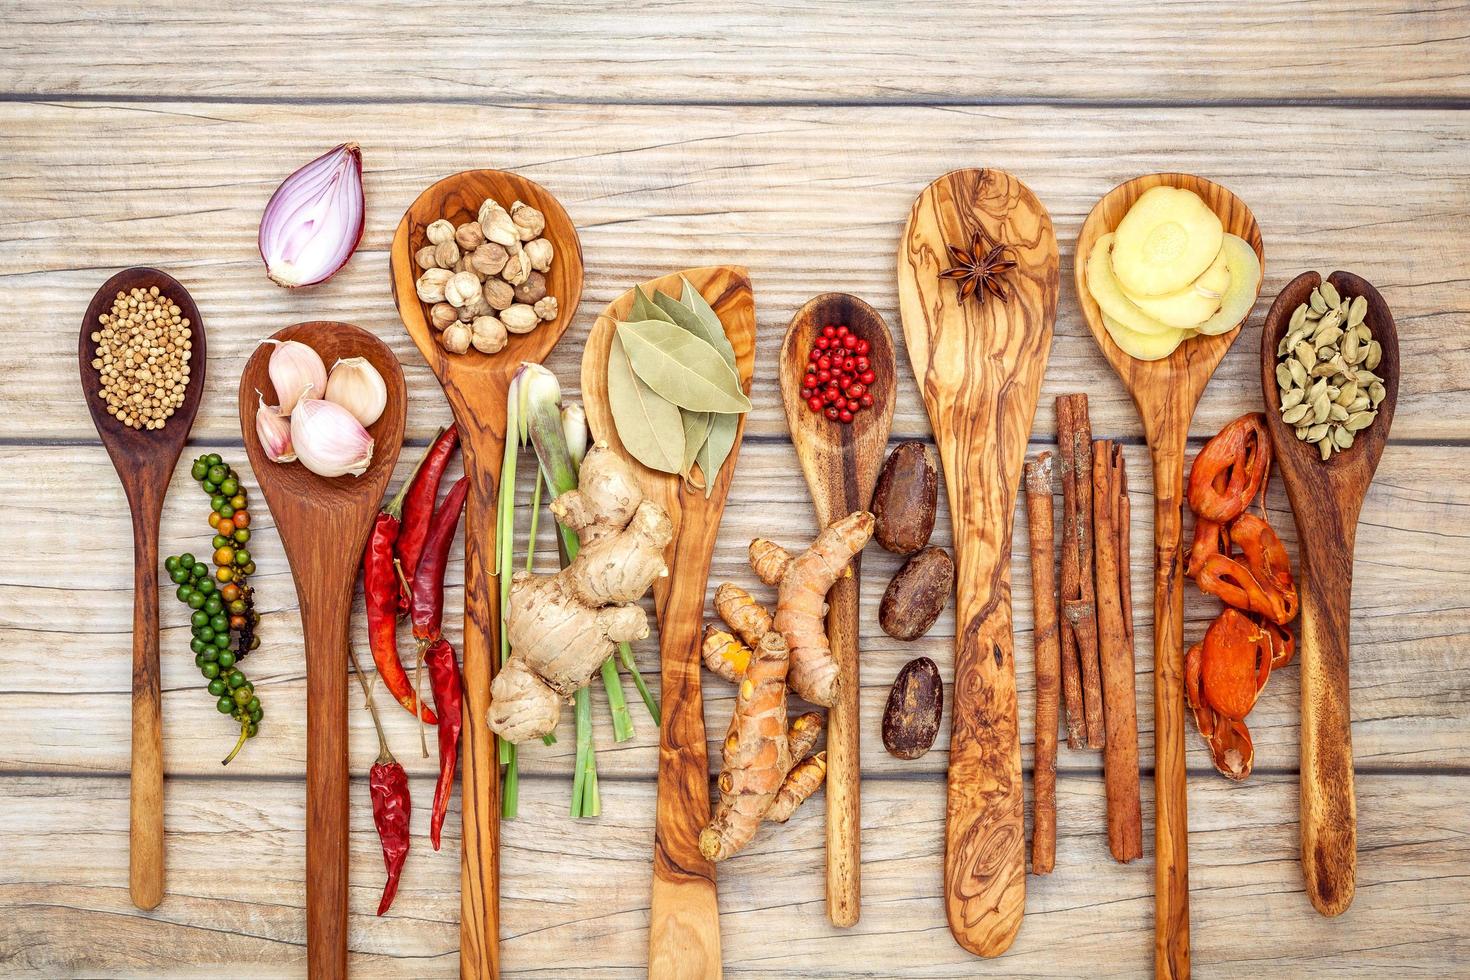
[[1326, 499], [1166, 392], [476, 385], [684, 926], [841, 463], [324, 525], [979, 364], [144, 460]]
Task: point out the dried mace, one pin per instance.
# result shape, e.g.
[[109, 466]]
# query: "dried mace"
[[978, 269]]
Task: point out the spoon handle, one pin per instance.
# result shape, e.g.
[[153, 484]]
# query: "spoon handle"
[[145, 800], [844, 769], [1328, 807], [1171, 824], [479, 899]]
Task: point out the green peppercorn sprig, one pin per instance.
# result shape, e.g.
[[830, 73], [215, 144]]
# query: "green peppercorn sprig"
[[222, 603], [211, 645]]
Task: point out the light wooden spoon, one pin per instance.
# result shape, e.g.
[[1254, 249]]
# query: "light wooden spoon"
[[144, 460], [476, 385], [1166, 393], [979, 366], [324, 526], [841, 463], [1326, 498], [684, 923]]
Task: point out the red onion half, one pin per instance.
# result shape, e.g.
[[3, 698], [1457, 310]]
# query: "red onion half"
[[314, 220]]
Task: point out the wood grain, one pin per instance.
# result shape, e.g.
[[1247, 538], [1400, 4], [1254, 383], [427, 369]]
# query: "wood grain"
[[841, 464], [684, 927], [476, 385], [1326, 499], [324, 526], [1165, 393], [145, 461], [979, 367]]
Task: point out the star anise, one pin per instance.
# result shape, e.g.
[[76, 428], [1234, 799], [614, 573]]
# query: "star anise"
[[978, 269]]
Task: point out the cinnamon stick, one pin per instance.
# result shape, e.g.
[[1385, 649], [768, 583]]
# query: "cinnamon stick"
[[1071, 669], [1048, 656], [1074, 437], [1120, 754]]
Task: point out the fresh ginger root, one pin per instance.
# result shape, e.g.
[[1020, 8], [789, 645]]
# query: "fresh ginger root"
[[562, 627], [757, 753], [802, 584]]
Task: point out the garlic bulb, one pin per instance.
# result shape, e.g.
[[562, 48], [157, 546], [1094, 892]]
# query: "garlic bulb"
[[274, 432], [358, 387], [293, 368], [328, 440]]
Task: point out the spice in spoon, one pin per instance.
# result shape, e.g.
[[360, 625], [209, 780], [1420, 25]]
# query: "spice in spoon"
[[838, 374], [142, 357]]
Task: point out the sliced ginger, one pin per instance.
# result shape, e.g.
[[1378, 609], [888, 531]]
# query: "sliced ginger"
[[562, 627], [1166, 241]]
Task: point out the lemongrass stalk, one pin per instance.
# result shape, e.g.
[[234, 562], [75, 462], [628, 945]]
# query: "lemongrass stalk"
[[584, 779], [617, 702], [535, 523], [625, 654], [504, 560]]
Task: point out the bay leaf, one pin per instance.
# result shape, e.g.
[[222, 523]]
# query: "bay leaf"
[[681, 367], [646, 309], [694, 300], [716, 449], [687, 318], [696, 432], [651, 428]]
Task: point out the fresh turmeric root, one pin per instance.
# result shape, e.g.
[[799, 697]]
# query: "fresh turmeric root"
[[802, 584], [757, 754], [742, 613], [725, 656], [804, 779], [562, 627]]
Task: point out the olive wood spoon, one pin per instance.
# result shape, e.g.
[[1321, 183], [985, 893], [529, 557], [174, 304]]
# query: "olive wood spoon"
[[324, 526], [1166, 392], [1326, 498], [841, 463], [476, 385], [979, 364], [144, 460], [684, 917]]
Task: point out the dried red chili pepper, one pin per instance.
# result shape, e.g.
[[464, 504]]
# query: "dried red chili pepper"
[[427, 608], [388, 784], [418, 508], [1231, 469], [1210, 538], [444, 680], [380, 594]]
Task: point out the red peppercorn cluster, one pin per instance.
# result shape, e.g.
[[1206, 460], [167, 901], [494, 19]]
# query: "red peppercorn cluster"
[[837, 374]]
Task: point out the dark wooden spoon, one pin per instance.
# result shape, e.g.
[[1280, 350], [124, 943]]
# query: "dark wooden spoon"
[[841, 464], [1326, 498], [476, 385], [324, 526], [145, 460]]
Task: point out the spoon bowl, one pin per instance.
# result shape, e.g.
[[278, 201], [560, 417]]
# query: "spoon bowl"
[[1326, 498], [1166, 392], [476, 386], [324, 524], [841, 463], [684, 924], [145, 461]]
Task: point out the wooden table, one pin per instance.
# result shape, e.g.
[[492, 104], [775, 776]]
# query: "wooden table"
[[791, 139]]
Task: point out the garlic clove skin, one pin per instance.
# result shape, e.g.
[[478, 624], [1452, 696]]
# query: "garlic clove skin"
[[294, 367], [358, 387], [328, 440], [274, 432]]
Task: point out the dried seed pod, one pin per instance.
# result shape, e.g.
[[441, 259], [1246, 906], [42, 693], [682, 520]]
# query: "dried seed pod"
[[496, 225], [439, 231], [446, 254], [488, 335], [540, 252], [461, 288], [519, 318], [517, 267], [498, 293], [430, 285], [488, 259], [915, 704], [469, 236], [425, 258], [533, 289], [546, 308], [905, 499], [456, 338], [529, 222], [442, 315]]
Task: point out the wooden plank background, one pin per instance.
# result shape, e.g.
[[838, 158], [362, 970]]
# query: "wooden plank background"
[[791, 138]]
